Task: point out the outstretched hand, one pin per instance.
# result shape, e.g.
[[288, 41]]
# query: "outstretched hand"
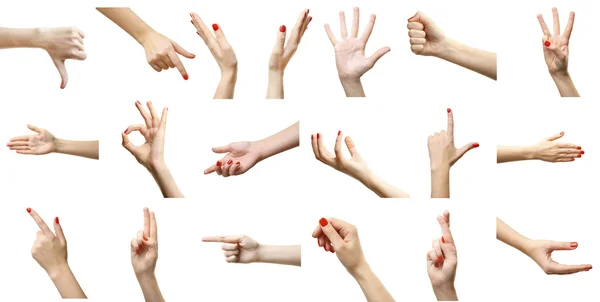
[[42, 142], [144, 247], [240, 158], [551, 151], [443, 154], [282, 51], [556, 45], [541, 252], [238, 248], [354, 166]]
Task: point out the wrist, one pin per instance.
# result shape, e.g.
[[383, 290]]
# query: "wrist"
[[58, 145], [530, 153], [275, 74], [261, 149], [156, 167], [361, 272], [229, 75], [59, 271], [143, 35], [446, 48], [145, 277], [562, 75], [440, 168], [445, 292]]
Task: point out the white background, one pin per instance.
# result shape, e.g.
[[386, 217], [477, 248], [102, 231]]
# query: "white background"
[[281, 199]]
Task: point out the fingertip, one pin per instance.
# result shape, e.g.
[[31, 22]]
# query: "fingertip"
[[475, 145], [186, 77]]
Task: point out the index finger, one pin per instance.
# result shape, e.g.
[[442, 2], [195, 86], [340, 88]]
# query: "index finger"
[[227, 239], [543, 25], [446, 234], [569, 27], [145, 115], [450, 129], [175, 59], [153, 228], [21, 138], [556, 21], [41, 224], [146, 223]]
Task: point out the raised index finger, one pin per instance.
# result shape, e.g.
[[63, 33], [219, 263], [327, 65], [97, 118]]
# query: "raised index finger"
[[146, 223], [41, 224], [446, 234], [450, 129]]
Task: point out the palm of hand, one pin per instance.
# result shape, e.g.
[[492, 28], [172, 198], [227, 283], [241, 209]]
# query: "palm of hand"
[[350, 58], [42, 143], [152, 150], [352, 167], [442, 149], [556, 65], [146, 261], [244, 153], [541, 253], [248, 249]]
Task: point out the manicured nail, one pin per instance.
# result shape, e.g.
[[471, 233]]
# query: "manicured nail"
[[238, 163], [331, 249], [325, 248], [185, 77], [579, 155], [323, 222], [309, 19], [437, 265], [218, 163], [192, 21], [140, 246], [449, 110], [191, 15], [312, 137], [229, 162], [56, 220], [574, 245], [339, 132], [307, 11], [443, 240], [125, 131], [578, 148], [582, 152], [319, 242], [28, 210], [440, 259], [282, 28], [215, 27], [198, 33], [547, 43], [572, 159], [318, 135], [475, 145], [145, 239], [137, 252]]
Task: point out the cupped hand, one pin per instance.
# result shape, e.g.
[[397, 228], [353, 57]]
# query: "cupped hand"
[[551, 151], [442, 152], [282, 52], [556, 46], [426, 38], [217, 44], [43, 142], [350, 56], [62, 43], [240, 158], [151, 153], [441, 258], [161, 53], [144, 247], [238, 248], [341, 239], [541, 252], [49, 249], [354, 166]]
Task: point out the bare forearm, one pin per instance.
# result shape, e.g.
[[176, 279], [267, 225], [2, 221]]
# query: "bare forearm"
[[565, 85], [150, 288], [280, 254], [226, 87], [165, 181], [445, 293], [480, 61], [353, 87], [383, 188], [66, 283], [125, 18], [511, 237], [371, 286], [279, 142], [88, 149], [19, 37], [275, 88], [440, 183], [515, 153]]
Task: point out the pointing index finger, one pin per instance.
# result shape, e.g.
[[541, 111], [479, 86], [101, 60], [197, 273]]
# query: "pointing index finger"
[[41, 224], [175, 59], [227, 239], [450, 122]]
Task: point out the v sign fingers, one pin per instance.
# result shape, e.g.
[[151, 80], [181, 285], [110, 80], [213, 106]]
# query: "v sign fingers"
[[569, 27]]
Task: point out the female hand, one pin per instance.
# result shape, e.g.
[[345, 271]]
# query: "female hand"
[[49, 249], [541, 252], [442, 152], [240, 158], [217, 44], [556, 46], [282, 52], [238, 248], [151, 153], [62, 43], [341, 239], [350, 50], [426, 38], [144, 247], [43, 142], [161, 53], [354, 166], [551, 151], [442, 260]]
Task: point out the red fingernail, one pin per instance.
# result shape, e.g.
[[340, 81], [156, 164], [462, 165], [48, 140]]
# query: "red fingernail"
[[309, 19], [145, 239], [582, 152], [185, 77], [339, 132], [125, 131], [449, 110], [579, 155], [325, 248], [437, 265], [218, 163], [140, 246], [307, 11], [28, 210], [323, 222], [238, 163], [138, 102], [282, 28], [137, 252], [331, 249], [312, 137], [440, 259], [475, 145], [443, 240], [56, 220], [192, 21], [572, 159], [547, 43], [578, 148], [215, 27], [574, 245], [229, 162], [198, 33], [318, 135], [192, 15]]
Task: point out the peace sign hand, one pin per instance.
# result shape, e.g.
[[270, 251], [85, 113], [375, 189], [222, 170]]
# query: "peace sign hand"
[[144, 247], [556, 46], [49, 249]]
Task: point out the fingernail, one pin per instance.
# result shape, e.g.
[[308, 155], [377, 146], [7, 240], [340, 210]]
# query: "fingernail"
[[331, 249], [229, 162], [191, 15], [437, 265], [218, 163], [238, 163], [582, 152], [339, 132], [282, 28], [449, 110], [307, 11], [325, 248], [572, 159], [167, 108], [411, 17], [140, 246], [137, 252], [28, 210], [323, 222], [579, 155], [475, 145], [198, 33], [309, 19], [312, 137], [56, 220], [215, 27], [547, 43], [440, 259], [149, 102], [125, 131], [192, 21], [319, 242], [574, 245], [138, 102], [578, 148], [145, 239], [443, 240], [185, 77], [318, 135]]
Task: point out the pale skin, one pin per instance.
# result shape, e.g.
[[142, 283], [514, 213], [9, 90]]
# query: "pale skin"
[[283, 53], [443, 154], [442, 261], [548, 150], [428, 39], [556, 53], [355, 166], [342, 239], [162, 53], [61, 43], [243, 249], [144, 254], [44, 142], [151, 153], [50, 252], [240, 157], [540, 251], [350, 57], [223, 53]]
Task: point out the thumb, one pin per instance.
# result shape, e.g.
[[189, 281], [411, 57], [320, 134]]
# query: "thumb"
[[421, 18], [34, 128], [222, 149], [127, 144], [462, 151], [351, 147], [555, 136], [62, 70], [560, 54], [331, 233], [378, 54], [280, 42], [180, 50], [58, 231]]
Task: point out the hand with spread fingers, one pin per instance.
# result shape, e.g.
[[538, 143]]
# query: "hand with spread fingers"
[[283, 53], [50, 252], [151, 153], [442, 262], [548, 150], [43, 142], [222, 52], [339, 237], [556, 53], [350, 56], [144, 254]]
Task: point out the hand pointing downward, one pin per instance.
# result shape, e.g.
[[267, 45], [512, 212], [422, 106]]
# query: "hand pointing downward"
[[61, 44]]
